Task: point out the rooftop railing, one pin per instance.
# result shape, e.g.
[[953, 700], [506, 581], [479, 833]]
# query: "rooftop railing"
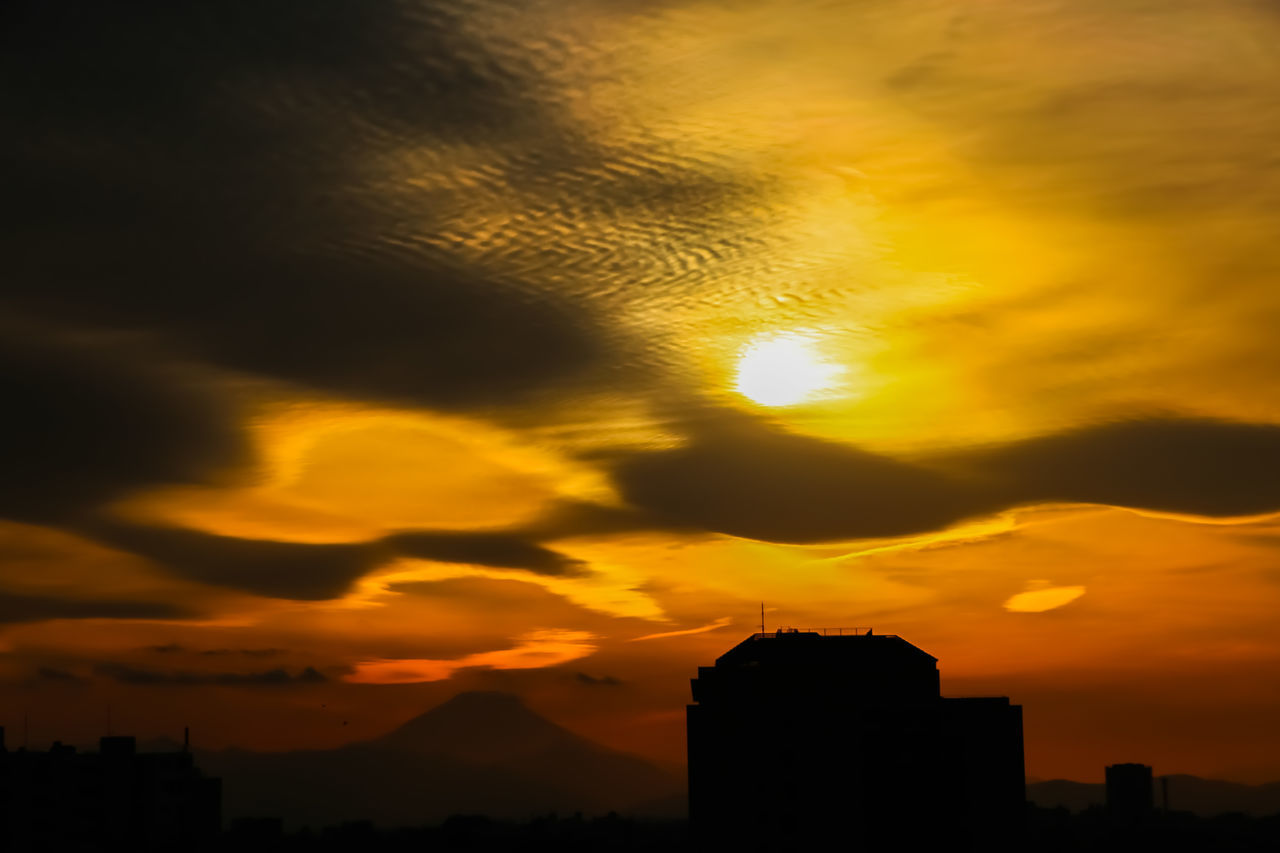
[[826, 632]]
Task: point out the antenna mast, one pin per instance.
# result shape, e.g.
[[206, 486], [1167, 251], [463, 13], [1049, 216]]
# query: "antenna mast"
[[762, 617]]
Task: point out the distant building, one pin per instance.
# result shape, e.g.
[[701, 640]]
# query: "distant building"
[[1129, 791], [114, 799], [805, 737]]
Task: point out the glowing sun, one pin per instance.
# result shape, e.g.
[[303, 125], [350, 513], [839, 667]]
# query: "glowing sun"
[[784, 369]]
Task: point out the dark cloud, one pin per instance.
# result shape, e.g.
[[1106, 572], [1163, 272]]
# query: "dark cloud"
[[501, 605], [15, 608], [86, 421], [126, 674], [744, 478], [594, 681], [176, 648], [578, 518], [748, 479], [306, 571], [1202, 467], [209, 164], [294, 570], [425, 336], [49, 674], [287, 570], [178, 69], [487, 549]]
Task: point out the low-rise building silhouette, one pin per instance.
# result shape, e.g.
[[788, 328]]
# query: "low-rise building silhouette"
[[806, 737], [114, 799]]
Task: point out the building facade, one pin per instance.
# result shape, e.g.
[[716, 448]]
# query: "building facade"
[[802, 737]]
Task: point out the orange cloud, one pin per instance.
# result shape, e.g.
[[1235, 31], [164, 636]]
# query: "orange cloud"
[[722, 622], [339, 472], [1042, 597], [536, 649]]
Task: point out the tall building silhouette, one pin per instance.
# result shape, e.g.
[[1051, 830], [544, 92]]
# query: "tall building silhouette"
[[114, 799], [806, 737]]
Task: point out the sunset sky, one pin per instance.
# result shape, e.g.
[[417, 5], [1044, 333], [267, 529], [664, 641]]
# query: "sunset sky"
[[359, 353]]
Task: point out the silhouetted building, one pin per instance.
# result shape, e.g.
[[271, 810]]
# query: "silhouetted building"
[[1129, 792], [114, 799], [803, 737]]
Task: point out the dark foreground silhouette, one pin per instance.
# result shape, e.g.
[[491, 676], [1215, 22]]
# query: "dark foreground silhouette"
[[1046, 831], [161, 801], [798, 740], [471, 833]]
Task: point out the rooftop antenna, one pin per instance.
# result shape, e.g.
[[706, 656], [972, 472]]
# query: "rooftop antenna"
[[762, 617], [186, 738]]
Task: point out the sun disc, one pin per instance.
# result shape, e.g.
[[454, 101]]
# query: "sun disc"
[[783, 370]]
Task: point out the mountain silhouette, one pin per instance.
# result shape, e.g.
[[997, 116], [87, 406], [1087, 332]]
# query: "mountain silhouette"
[[1202, 797], [480, 726], [479, 753]]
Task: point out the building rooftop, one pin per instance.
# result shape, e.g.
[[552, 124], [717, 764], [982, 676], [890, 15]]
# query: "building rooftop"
[[832, 664], [841, 648]]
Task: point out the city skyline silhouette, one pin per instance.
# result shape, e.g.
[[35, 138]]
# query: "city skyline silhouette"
[[796, 738]]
